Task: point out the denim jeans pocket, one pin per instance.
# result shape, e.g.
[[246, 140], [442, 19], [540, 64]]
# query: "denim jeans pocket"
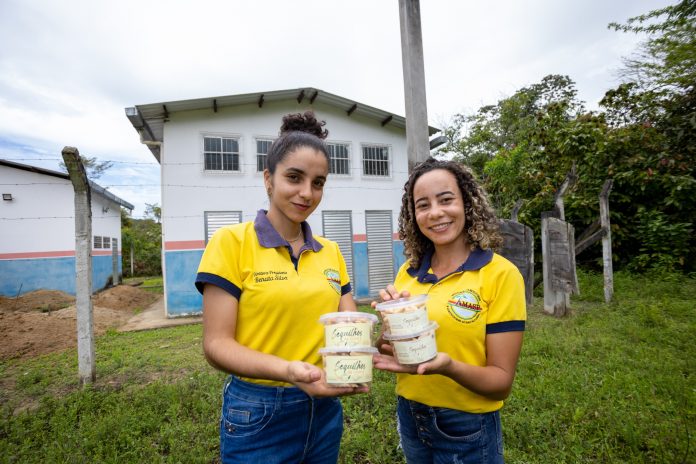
[[243, 417], [458, 425]]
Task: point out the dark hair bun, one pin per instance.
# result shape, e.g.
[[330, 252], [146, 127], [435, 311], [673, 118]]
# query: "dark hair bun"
[[306, 122]]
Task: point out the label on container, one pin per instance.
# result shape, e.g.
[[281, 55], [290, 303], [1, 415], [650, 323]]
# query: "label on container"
[[348, 334], [348, 369], [415, 351], [407, 323]]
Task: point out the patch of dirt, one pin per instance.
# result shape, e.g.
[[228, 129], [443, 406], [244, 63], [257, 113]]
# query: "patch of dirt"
[[44, 321]]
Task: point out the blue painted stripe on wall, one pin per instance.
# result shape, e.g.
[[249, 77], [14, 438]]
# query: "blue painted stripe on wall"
[[50, 274], [182, 296], [181, 266]]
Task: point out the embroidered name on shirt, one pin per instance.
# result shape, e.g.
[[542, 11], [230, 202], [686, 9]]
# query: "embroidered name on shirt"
[[269, 276]]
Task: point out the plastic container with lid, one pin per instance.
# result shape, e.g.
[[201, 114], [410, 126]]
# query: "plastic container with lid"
[[405, 315], [414, 348], [348, 328], [348, 366]]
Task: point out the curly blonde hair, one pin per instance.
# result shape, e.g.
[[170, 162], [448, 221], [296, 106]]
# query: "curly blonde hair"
[[481, 221]]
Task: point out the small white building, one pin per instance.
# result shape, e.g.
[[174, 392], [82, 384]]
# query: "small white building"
[[212, 154], [37, 231]]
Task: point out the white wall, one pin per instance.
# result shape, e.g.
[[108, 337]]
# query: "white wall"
[[41, 213], [182, 165]]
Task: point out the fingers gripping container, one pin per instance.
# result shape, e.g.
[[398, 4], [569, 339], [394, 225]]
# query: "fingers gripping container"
[[414, 348], [405, 315], [347, 329], [348, 366]]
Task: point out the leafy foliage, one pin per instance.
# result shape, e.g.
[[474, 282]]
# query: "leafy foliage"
[[94, 168], [644, 138], [144, 237], [667, 60]]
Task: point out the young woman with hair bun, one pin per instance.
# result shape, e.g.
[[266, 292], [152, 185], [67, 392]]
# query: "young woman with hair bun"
[[265, 283]]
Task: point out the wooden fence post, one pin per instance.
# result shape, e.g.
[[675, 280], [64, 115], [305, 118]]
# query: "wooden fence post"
[[557, 248], [83, 264], [606, 240], [518, 247]]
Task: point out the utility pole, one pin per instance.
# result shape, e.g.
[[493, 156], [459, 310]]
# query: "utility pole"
[[417, 144], [83, 265]]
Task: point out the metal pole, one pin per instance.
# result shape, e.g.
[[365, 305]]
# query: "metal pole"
[[417, 144]]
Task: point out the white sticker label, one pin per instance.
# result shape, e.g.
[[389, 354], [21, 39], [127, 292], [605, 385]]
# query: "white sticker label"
[[348, 369], [348, 334], [407, 323], [416, 351]]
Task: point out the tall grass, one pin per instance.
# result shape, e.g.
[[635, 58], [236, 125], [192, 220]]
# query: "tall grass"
[[610, 383]]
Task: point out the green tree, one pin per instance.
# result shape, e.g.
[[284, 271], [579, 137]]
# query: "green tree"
[[153, 211], [666, 61], [95, 168], [144, 237]]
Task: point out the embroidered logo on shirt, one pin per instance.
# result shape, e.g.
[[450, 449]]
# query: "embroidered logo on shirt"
[[333, 279], [464, 306]]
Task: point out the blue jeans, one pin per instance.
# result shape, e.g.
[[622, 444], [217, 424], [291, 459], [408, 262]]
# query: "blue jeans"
[[262, 424], [442, 435]]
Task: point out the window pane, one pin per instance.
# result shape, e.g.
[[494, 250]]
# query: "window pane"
[[212, 144], [212, 161], [235, 162], [376, 161], [261, 162], [339, 162]]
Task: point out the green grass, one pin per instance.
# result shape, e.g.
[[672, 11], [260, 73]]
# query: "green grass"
[[153, 284], [608, 384]]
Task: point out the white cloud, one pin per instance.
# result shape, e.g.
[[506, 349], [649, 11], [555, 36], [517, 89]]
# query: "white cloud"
[[69, 68]]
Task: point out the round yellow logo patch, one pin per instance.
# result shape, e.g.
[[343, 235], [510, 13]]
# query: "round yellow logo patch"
[[464, 306], [334, 279]]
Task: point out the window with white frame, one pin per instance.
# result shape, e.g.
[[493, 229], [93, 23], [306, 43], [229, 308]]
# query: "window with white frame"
[[262, 148], [221, 153], [375, 160], [97, 242], [114, 243], [339, 158], [106, 242]]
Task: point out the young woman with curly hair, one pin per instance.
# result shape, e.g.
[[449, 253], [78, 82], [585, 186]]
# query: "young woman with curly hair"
[[265, 283], [448, 407]]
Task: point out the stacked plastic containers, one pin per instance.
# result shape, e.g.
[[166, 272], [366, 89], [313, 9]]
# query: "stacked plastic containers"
[[348, 348], [408, 329]]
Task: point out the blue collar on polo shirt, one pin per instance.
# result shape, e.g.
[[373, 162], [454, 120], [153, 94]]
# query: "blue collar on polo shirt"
[[270, 238], [476, 260]]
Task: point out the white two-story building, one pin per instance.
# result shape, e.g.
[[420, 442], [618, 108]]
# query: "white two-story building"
[[37, 231], [212, 155]]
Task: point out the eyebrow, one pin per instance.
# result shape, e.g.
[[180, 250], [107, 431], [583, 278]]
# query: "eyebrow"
[[437, 196], [300, 171], [295, 171]]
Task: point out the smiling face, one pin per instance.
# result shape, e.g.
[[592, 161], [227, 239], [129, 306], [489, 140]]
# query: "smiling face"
[[297, 185], [439, 207]]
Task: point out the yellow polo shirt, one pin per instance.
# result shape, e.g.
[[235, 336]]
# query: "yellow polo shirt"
[[280, 298], [485, 295]]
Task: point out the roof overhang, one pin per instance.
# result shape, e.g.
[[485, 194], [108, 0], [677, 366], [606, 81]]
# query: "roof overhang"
[[148, 120], [49, 172]]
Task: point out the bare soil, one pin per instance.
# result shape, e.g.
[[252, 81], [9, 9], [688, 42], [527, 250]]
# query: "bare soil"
[[45, 321]]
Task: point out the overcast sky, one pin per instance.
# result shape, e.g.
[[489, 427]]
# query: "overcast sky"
[[69, 68]]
